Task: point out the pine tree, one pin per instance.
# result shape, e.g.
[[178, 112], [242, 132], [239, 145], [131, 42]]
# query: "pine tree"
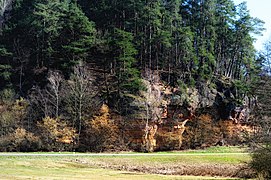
[[179, 43], [225, 15], [128, 76], [242, 54], [77, 37], [67, 32], [48, 22], [5, 69], [17, 42], [202, 22]]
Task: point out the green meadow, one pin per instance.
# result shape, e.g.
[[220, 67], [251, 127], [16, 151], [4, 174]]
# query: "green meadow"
[[213, 163]]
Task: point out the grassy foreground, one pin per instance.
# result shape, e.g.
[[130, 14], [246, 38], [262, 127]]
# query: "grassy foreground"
[[48, 168], [170, 165]]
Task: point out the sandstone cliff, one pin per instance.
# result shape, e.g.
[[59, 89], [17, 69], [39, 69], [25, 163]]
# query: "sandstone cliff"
[[166, 117]]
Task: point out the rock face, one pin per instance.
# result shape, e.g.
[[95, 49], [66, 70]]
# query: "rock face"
[[149, 140], [165, 111]]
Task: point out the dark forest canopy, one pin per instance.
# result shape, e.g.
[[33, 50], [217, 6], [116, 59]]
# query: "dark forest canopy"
[[66, 56], [188, 40]]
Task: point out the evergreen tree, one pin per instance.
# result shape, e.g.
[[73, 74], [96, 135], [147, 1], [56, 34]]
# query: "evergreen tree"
[[243, 52], [201, 19], [48, 22], [225, 14], [184, 42], [66, 30], [17, 41], [5, 69], [179, 41], [77, 37], [128, 76]]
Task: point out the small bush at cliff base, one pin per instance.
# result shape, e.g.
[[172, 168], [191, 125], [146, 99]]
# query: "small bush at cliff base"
[[20, 140], [261, 162], [56, 134], [101, 132]]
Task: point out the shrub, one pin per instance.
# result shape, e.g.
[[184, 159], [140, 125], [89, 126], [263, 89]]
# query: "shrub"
[[12, 115], [101, 133], [202, 132], [56, 135], [7, 96], [25, 141], [20, 141], [168, 140], [261, 162]]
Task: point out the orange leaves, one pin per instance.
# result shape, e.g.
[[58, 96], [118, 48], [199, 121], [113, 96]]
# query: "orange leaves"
[[57, 130], [101, 131]]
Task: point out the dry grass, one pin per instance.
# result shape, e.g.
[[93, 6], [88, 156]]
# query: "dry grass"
[[58, 168], [169, 165], [198, 166]]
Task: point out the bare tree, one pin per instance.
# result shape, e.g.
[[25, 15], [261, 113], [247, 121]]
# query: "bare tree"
[[81, 91], [55, 79], [267, 55], [48, 99], [3, 6], [152, 99], [39, 101]]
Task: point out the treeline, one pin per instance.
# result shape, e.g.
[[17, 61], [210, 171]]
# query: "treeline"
[[66, 58]]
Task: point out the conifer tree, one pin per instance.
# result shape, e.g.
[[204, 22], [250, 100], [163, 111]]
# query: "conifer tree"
[[77, 37], [128, 76]]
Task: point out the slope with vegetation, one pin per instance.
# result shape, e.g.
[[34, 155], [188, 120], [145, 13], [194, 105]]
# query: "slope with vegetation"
[[121, 74]]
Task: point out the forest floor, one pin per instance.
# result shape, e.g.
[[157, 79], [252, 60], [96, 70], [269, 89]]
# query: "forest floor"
[[213, 163]]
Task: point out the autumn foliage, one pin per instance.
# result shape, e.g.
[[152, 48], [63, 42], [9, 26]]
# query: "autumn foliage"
[[101, 132], [56, 134], [20, 140]]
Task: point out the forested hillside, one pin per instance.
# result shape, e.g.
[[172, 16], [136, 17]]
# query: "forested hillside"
[[92, 75]]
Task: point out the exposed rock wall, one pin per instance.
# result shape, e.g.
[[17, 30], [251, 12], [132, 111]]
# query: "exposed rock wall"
[[164, 114]]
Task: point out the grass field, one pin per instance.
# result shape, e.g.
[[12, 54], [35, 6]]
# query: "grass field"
[[225, 161]]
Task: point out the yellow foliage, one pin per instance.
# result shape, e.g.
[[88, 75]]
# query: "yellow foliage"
[[57, 130], [66, 135], [12, 114], [23, 140], [102, 125], [20, 133], [49, 125], [101, 130], [104, 109], [20, 104], [102, 122]]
